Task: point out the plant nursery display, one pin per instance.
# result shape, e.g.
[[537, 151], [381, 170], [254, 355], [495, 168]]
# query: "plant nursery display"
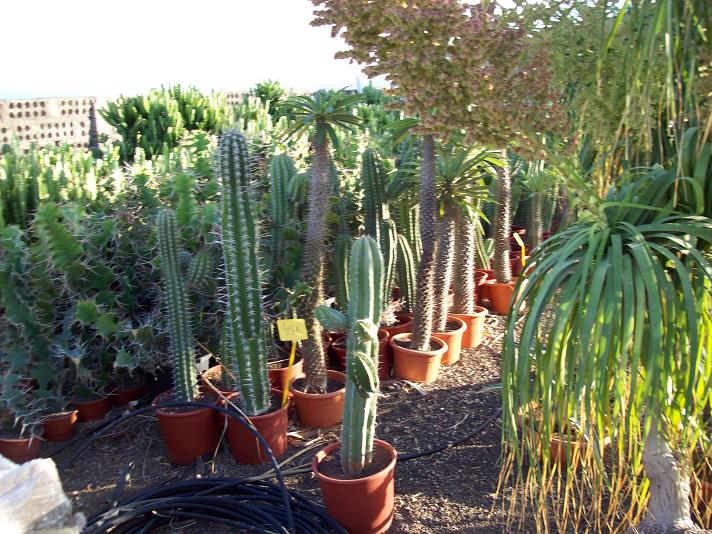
[[234, 308]]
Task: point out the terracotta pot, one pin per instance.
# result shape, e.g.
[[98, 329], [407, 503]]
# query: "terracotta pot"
[[405, 323], [560, 446], [482, 292], [320, 410], [475, 327], [501, 296], [419, 366], [60, 426], [384, 356], [280, 378], [515, 261], [453, 339], [20, 450], [362, 505], [187, 434], [93, 409], [121, 397], [245, 447]]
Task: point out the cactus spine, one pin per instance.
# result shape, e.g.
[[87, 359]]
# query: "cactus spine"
[[179, 328], [201, 267], [364, 314], [246, 348], [406, 273], [373, 177]]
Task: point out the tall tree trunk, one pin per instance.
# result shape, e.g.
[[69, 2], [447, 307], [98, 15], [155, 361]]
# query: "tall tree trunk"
[[668, 510], [535, 220], [423, 312], [443, 268], [503, 223], [312, 270], [466, 228]]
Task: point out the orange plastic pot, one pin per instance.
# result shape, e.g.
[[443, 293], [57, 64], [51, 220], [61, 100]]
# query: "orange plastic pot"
[[280, 378], [245, 447], [20, 450], [362, 505], [416, 365], [405, 323], [60, 426], [475, 323], [320, 410], [384, 356], [93, 409], [482, 290], [501, 296], [515, 261], [187, 434], [121, 397], [453, 340]]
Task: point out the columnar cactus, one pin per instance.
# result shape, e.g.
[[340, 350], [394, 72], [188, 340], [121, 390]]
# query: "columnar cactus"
[[503, 222], [444, 268], [179, 327], [361, 324], [406, 273], [373, 178], [464, 276], [281, 171], [246, 354], [342, 247], [388, 240]]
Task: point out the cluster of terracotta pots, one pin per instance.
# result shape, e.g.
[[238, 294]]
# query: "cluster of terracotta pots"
[[62, 426]]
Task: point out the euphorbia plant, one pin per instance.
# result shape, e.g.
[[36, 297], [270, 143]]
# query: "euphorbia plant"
[[361, 326], [320, 116]]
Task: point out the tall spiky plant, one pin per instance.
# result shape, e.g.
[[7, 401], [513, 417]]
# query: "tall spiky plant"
[[502, 226], [185, 373], [320, 116], [246, 353], [361, 325]]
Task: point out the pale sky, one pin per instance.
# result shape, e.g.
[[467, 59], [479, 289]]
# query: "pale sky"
[[109, 47]]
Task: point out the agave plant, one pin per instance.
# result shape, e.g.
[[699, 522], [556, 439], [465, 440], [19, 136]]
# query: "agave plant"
[[320, 116]]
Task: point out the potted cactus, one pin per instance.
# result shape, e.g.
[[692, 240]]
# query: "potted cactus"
[[245, 355], [358, 488], [187, 432]]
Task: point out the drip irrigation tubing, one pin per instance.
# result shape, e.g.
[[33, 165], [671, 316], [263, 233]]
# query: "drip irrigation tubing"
[[251, 504]]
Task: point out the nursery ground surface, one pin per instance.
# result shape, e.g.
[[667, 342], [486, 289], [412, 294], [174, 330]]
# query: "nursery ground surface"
[[447, 492]]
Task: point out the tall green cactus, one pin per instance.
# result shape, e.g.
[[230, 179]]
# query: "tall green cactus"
[[361, 324], [179, 328], [246, 354], [406, 273], [342, 247], [388, 240], [373, 178], [281, 171]]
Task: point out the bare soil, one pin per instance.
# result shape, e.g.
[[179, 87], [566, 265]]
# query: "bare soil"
[[453, 491]]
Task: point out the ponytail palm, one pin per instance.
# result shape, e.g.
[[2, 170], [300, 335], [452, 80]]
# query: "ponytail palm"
[[319, 116], [615, 344]]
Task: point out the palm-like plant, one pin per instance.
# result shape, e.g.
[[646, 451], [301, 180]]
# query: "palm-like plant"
[[319, 116], [461, 172], [618, 337]]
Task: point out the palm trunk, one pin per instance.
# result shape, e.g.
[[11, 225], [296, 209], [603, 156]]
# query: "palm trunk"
[[312, 270], [423, 312], [668, 508], [503, 223], [464, 263], [535, 216], [443, 268]]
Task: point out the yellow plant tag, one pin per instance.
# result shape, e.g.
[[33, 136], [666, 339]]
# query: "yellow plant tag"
[[292, 329], [519, 241]]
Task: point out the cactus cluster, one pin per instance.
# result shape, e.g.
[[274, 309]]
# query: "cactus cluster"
[[361, 325], [373, 178], [246, 352], [178, 315]]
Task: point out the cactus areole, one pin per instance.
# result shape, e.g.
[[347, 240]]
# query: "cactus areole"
[[246, 354], [361, 324]]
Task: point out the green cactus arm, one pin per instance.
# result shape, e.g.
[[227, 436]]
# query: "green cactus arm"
[[406, 273], [331, 319]]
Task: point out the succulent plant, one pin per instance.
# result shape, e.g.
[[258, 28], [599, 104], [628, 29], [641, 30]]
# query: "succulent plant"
[[246, 351], [361, 326]]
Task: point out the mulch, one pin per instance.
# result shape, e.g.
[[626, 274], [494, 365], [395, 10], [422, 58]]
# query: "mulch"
[[451, 491]]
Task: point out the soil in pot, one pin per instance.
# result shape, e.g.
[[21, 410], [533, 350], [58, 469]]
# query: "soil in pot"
[[362, 505], [338, 349], [188, 433], [475, 323], [419, 366], [18, 449], [91, 409], [245, 447], [60, 426], [320, 410], [454, 330]]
